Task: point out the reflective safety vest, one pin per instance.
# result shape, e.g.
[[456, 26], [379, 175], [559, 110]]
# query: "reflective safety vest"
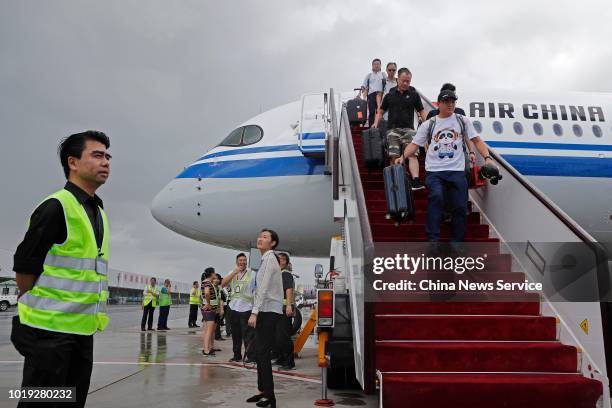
[[284, 292], [215, 301], [241, 287], [71, 293], [165, 299], [195, 296], [150, 295]]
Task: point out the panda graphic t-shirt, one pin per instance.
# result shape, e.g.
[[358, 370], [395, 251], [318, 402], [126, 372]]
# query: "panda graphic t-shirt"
[[445, 152]]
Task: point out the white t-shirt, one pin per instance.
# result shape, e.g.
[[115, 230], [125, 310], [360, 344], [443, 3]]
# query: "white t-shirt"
[[445, 152], [373, 82]]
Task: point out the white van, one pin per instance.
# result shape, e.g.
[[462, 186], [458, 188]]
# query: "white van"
[[8, 295]]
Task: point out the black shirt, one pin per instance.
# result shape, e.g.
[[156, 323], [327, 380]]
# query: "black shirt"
[[48, 227], [435, 112], [401, 107], [288, 282]]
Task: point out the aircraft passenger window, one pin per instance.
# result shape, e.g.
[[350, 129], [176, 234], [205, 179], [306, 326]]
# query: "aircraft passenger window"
[[537, 128], [558, 129], [252, 134], [518, 128], [477, 126], [577, 130], [597, 131], [497, 127], [234, 138]]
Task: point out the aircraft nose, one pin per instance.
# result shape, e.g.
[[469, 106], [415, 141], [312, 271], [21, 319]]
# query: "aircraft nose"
[[162, 206]]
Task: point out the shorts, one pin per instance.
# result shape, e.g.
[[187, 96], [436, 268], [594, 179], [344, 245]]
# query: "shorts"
[[398, 139], [209, 315]]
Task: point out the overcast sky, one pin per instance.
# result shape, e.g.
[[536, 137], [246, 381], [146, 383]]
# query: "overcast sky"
[[168, 80]]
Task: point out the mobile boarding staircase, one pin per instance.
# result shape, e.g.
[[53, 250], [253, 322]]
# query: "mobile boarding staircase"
[[535, 352]]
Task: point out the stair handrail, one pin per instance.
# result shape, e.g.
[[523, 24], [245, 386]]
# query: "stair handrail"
[[359, 250]]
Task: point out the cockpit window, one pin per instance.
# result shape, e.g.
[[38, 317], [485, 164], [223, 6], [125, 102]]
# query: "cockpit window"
[[252, 134], [233, 139], [243, 136]]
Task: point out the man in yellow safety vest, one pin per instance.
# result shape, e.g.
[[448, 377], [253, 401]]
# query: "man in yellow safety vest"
[[195, 300], [149, 302], [165, 300], [61, 270]]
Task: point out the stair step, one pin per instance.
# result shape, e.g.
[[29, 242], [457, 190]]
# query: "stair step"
[[379, 217], [490, 328], [418, 230], [384, 238], [476, 356], [529, 307], [490, 390]]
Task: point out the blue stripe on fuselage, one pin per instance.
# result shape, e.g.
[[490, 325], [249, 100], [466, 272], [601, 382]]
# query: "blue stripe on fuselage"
[[560, 166], [248, 168], [529, 165], [550, 146], [313, 136]]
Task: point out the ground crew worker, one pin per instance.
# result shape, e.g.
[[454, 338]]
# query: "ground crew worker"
[[149, 302], [284, 345], [165, 300], [241, 282], [61, 270], [221, 310], [195, 300]]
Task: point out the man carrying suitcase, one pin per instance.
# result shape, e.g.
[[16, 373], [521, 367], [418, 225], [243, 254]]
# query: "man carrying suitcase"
[[445, 165], [401, 102]]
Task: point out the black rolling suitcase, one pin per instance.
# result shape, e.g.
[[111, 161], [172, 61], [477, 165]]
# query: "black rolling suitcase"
[[357, 111], [372, 147], [400, 203]]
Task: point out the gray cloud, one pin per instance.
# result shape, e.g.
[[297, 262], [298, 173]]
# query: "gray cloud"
[[168, 80]]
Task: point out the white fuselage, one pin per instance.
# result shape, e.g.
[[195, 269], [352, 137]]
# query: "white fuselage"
[[225, 197]]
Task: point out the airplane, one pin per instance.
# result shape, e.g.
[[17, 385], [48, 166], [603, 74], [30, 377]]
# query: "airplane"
[[263, 175]]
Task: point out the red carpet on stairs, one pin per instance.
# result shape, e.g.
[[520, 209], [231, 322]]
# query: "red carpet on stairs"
[[467, 354]]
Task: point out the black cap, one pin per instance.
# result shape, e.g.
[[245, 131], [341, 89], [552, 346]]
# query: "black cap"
[[446, 94]]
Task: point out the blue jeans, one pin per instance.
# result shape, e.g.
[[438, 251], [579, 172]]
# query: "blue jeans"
[[457, 188]]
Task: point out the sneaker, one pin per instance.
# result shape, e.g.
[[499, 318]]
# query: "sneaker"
[[235, 359], [209, 354], [416, 184], [215, 349], [249, 361], [279, 362]]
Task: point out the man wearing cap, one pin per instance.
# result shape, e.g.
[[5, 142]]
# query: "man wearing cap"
[[445, 164]]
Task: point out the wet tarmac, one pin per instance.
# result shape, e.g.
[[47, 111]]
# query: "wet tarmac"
[[166, 369]]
